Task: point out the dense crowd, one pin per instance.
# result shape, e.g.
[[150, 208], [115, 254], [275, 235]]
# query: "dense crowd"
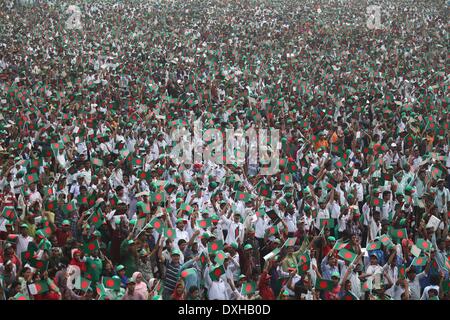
[[96, 204]]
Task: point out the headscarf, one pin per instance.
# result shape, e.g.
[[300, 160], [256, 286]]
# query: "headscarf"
[[141, 286]]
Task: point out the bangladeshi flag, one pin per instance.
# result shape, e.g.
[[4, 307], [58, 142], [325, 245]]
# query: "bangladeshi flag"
[[157, 225], [50, 205], [57, 146], [339, 245], [36, 163], [265, 190], [170, 187], [41, 265], [38, 287], [290, 242], [376, 202], [436, 172], [69, 207], [423, 244], [349, 296], [114, 200], [188, 272], [170, 233], [203, 258], [111, 283], [322, 284], [186, 207], [273, 230], [84, 284], [97, 162], [220, 257], [399, 233], [292, 167], [386, 241], [27, 255], [96, 219], [248, 288], [243, 196], [375, 245], [31, 178], [82, 200], [9, 213], [144, 175], [347, 255], [215, 246], [204, 223], [304, 263], [402, 272], [309, 178], [286, 178], [339, 163], [419, 261], [20, 296], [137, 162], [90, 246], [328, 223], [157, 197], [216, 272]]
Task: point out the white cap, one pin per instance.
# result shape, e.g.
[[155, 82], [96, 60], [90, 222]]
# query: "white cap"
[[393, 144]]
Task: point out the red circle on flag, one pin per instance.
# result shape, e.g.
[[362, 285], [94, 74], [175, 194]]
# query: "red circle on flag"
[[310, 179], [248, 287], [419, 261], [348, 255], [38, 287], [39, 264], [425, 244], [220, 256], [348, 297], [27, 255], [373, 246], [188, 208], [158, 197], [322, 284], [265, 192], [110, 283], [169, 232], [286, 177], [241, 196], [399, 234], [217, 272], [22, 298], [294, 167], [69, 207], [50, 206], [203, 223], [93, 266], [56, 145], [214, 246], [91, 246], [376, 202], [84, 284], [157, 225], [95, 219], [184, 274], [48, 230]]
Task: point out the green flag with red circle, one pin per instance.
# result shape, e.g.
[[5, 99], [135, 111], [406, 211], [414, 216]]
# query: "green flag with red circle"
[[248, 288], [215, 246], [216, 272], [347, 255], [324, 285], [111, 283]]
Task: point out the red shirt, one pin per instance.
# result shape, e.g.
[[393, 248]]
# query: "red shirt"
[[62, 236], [265, 291], [81, 265]]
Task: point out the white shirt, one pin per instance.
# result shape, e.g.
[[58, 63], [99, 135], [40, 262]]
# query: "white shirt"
[[22, 244]]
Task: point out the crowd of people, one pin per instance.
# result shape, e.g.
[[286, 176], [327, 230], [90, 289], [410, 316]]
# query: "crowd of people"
[[95, 204]]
